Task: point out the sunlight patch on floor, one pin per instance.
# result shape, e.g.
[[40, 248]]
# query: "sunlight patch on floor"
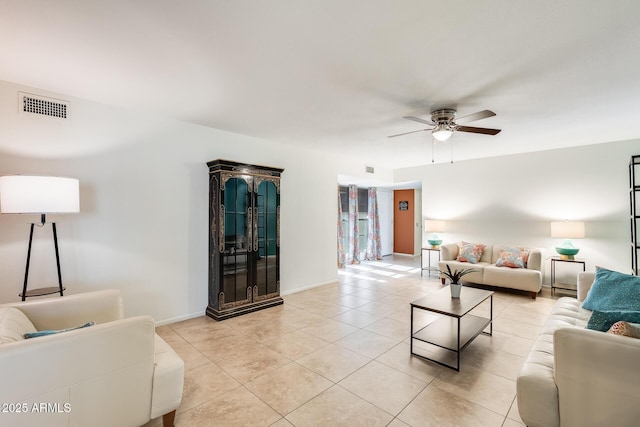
[[360, 267], [383, 272], [345, 273], [378, 268], [401, 267]]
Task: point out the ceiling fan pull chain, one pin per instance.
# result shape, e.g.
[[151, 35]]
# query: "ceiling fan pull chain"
[[433, 143], [451, 152]]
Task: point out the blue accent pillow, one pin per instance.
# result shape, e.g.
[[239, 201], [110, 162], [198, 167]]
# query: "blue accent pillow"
[[603, 320], [51, 332], [613, 291]]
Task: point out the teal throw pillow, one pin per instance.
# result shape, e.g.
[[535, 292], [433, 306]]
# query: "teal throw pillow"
[[613, 291], [603, 320], [51, 331]]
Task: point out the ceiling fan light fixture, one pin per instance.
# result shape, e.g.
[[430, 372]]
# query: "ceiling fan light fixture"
[[442, 132]]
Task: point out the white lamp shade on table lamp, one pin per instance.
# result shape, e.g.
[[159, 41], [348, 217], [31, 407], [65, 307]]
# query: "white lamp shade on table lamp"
[[24, 194], [567, 230], [435, 226]]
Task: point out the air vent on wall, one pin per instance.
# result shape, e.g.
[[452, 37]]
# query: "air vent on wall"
[[41, 105], [369, 169]]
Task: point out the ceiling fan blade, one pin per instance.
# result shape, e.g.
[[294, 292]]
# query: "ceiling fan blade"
[[485, 131], [419, 120], [407, 133], [475, 116]]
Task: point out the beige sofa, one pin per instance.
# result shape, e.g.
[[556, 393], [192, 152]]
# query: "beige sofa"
[[577, 377], [115, 373], [487, 273]]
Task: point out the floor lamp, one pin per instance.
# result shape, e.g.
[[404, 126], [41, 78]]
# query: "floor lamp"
[[22, 194]]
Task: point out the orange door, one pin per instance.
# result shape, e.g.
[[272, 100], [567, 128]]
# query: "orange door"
[[403, 218]]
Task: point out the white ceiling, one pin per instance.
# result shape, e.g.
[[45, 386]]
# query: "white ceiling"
[[341, 74]]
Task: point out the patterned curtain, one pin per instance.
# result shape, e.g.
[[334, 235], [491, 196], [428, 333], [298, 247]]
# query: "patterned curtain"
[[374, 251], [341, 254], [353, 254]]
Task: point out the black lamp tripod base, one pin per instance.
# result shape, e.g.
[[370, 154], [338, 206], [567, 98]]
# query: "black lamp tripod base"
[[49, 290]]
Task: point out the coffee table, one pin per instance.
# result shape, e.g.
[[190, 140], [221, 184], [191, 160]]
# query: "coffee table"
[[455, 328]]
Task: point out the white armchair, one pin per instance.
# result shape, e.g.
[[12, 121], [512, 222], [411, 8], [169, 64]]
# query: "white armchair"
[[116, 373]]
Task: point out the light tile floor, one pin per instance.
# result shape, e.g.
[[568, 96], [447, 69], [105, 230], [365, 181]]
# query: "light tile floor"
[[338, 355]]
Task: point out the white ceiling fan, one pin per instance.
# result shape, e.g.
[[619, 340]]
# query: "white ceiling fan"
[[444, 124]]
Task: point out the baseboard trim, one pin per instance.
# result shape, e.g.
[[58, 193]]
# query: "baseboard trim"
[[180, 318], [304, 288], [407, 255]]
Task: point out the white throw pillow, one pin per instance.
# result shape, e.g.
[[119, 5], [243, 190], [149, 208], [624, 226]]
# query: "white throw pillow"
[[13, 325]]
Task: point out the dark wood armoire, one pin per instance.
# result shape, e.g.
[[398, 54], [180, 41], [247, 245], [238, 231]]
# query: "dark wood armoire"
[[244, 238]]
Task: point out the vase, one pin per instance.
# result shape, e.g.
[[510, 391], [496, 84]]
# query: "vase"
[[455, 290]]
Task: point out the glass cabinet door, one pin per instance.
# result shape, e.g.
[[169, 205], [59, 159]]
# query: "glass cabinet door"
[[267, 266], [235, 255]]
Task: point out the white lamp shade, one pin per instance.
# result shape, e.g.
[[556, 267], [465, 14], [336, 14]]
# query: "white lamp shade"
[[434, 225], [23, 194], [567, 229]]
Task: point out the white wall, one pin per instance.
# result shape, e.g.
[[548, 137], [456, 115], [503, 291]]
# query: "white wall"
[[512, 199], [144, 204], [385, 210], [417, 223], [144, 195]]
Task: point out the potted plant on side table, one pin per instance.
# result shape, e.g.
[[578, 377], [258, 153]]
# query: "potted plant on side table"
[[455, 277]]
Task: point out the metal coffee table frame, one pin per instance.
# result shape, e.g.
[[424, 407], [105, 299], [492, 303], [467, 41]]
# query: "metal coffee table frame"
[[455, 329]]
